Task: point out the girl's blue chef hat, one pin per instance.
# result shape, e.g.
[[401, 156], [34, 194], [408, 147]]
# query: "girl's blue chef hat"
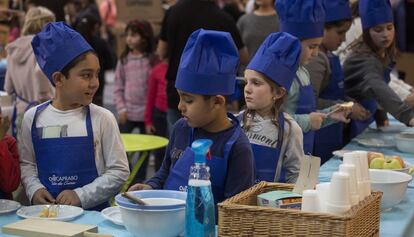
[[304, 19], [278, 58], [337, 10], [208, 64], [56, 46], [375, 12]]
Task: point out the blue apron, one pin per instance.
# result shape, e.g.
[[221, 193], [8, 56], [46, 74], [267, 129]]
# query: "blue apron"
[[30, 104], [180, 171], [266, 158], [329, 139], [358, 126], [65, 162], [306, 105]]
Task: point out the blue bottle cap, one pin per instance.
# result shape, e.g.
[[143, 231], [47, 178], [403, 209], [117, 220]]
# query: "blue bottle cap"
[[200, 148]]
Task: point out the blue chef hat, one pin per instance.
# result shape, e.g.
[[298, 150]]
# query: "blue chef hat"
[[208, 64], [56, 46], [304, 19], [278, 58], [337, 10], [375, 12]]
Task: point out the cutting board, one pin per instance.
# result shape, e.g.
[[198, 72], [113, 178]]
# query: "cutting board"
[[47, 228]]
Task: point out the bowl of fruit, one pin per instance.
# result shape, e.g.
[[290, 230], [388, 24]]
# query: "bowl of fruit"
[[377, 160]]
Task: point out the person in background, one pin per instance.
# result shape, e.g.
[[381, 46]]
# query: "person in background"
[[234, 8], [155, 117], [71, 150], [9, 161], [180, 20], [367, 68], [205, 76], [24, 78], [88, 27], [305, 20], [327, 77], [264, 16], [275, 137], [56, 6], [131, 80]]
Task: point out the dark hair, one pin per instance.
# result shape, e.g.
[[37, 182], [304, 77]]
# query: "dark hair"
[[144, 29], [257, 6], [74, 62], [87, 26], [336, 24]]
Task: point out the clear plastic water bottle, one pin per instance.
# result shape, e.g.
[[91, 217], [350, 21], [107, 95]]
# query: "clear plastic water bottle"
[[200, 218]]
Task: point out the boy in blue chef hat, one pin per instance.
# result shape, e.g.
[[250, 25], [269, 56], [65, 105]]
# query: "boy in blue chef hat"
[[206, 74], [305, 20], [71, 150]]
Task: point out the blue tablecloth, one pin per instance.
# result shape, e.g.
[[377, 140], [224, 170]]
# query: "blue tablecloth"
[[88, 218], [399, 221]]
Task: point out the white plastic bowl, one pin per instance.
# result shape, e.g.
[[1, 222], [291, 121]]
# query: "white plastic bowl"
[[392, 184], [163, 217], [404, 142]]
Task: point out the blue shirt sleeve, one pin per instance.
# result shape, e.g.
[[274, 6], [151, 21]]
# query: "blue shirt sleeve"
[[240, 171]]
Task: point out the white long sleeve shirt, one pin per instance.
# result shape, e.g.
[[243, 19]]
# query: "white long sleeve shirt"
[[110, 157]]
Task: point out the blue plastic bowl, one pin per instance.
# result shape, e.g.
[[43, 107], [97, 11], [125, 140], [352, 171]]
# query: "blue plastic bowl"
[[144, 194]]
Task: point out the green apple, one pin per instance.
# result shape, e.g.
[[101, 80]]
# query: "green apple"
[[377, 163], [392, 164]]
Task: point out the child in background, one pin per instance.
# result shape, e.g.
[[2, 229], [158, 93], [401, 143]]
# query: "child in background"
[[367, 68], [71, 150], [305, 20], [327, 77], [206, 74], [131, 76], [156, 108], [24, 78], [276, 138], [9, 161]]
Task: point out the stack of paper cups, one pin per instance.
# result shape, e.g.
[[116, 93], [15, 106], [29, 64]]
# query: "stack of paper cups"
[[353, 184], [352, 158], [366, 182], [323, 194], [339, 200], [310, 200]]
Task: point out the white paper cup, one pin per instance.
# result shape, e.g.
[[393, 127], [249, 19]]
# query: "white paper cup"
[[323, 194], [339, 195], [353, 184], [310, 200], [352, 158], [363, 160]]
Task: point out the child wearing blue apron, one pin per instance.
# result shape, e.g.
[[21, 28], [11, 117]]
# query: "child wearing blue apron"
[[305, 20], [206, 74], [327, 77], [367, 68], [276, 138], [71, 150]]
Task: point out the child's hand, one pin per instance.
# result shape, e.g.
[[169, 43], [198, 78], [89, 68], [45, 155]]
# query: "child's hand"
[[359, 112], [136, 187], [4, 126], [341, 113], [68, 197], [122, 117], [150, 129], [316, 120], [42, 196]]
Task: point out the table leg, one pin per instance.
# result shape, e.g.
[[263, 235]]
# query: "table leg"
[[134, 171]]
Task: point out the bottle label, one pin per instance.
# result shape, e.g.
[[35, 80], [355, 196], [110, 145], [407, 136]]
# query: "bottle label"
[[198, 183]]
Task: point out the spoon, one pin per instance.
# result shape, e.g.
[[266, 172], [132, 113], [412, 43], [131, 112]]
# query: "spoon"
[[133, 199]]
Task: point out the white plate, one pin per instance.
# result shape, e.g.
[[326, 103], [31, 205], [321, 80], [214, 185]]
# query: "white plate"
[[396, 127], [66, 212], [8, 206], [340, 153], [374, 142], [113, 214]]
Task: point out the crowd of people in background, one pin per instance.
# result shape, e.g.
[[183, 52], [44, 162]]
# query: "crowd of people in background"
[[293, 84]]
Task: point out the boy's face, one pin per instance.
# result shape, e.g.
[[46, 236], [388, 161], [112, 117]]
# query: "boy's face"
[[333, 37], [310, 48], [198, 111], [82, 82]]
